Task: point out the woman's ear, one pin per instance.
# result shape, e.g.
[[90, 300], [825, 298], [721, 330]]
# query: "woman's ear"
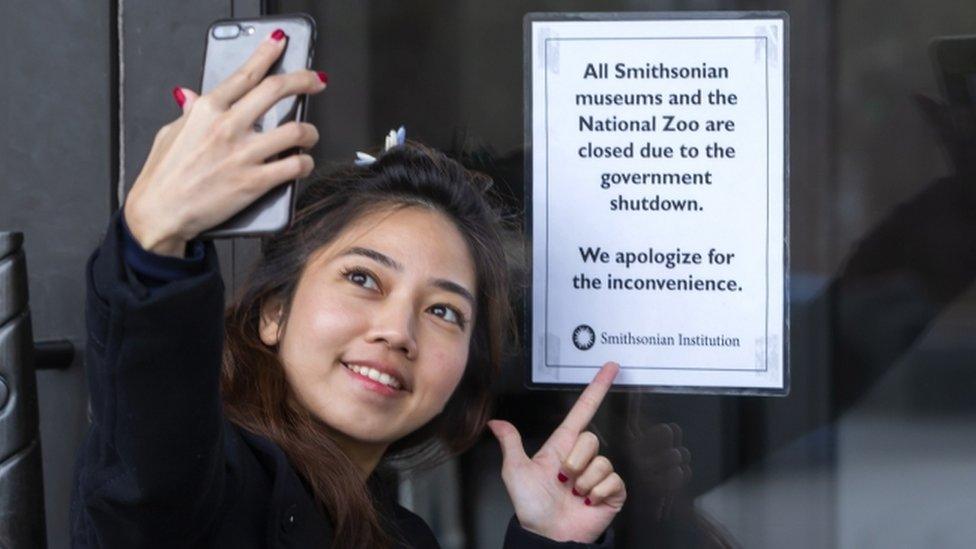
[[270, 324]]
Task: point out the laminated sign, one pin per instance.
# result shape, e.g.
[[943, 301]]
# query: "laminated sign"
[[658, 184]]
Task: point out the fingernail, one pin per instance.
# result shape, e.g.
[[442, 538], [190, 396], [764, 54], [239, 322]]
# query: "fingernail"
[[587, 501], [277, 35], [562, 477], [323, 76], [575, 493], [179, 96]]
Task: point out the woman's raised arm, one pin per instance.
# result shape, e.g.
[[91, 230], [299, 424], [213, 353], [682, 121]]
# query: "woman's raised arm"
[[154, 470]]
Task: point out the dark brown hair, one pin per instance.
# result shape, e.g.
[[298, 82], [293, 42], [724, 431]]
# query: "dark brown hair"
[[255, 393]]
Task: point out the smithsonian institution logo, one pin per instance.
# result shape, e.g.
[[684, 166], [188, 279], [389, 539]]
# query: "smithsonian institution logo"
[[584, 337]]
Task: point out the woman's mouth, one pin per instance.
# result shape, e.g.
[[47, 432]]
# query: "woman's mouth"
[[374, 379]]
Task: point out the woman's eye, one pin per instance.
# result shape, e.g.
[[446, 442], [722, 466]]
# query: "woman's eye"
[[362, 278], [449, 314]]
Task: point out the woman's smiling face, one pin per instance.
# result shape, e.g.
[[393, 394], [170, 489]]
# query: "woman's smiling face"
[[380, 325]]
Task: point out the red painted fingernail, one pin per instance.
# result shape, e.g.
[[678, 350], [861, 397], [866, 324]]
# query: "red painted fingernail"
[[562, 477], [575, 493], [179, 96], [323, 76], [587, 501], [277, 35]]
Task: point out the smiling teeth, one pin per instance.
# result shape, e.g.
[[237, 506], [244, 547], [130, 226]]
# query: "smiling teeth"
[[375, 375]]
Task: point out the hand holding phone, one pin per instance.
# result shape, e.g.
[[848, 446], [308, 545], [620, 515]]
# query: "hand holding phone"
[[210, 163]]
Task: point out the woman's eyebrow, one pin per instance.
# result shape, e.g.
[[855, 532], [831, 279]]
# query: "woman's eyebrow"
[[374, 255], [383, 259], [453, 287]]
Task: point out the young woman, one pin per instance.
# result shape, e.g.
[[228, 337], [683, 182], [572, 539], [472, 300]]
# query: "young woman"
[[368, 334]]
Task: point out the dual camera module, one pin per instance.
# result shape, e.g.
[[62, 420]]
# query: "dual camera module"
[[231, 30]]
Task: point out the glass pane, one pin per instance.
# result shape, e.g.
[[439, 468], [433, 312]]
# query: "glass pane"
[[875, 445]]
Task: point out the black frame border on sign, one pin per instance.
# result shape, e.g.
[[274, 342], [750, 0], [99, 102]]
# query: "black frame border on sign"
[[530, 348]]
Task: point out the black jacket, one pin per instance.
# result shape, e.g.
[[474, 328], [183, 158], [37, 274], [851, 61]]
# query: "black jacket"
[[160, 465]]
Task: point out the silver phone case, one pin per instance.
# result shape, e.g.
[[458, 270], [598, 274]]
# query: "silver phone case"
[[273, 211]]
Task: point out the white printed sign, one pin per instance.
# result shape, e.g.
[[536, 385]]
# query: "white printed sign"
[[658, 200]]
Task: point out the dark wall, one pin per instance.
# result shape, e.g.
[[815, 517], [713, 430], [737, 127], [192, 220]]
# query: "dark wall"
[[56, 165]]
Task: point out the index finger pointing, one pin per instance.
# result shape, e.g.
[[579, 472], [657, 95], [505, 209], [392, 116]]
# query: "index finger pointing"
[[251, 72], [589, 401]]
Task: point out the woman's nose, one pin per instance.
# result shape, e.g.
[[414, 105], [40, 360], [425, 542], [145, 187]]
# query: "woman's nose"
[[394, 326]]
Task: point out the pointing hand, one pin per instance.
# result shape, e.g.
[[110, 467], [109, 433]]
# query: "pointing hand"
[[566, 491]]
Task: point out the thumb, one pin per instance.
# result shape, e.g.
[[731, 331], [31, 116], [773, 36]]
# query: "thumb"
[[184, 97], [509, 439]]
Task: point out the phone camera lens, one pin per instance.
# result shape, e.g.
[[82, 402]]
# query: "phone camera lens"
[[226, 32]]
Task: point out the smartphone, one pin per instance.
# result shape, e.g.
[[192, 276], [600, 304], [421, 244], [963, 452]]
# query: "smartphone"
[[955, 66], [230, 42]]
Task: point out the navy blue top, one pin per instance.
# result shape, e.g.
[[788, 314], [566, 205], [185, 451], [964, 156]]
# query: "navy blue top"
[[155, 270]]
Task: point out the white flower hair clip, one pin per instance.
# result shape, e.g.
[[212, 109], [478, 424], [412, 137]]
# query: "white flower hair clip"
[[394, 138]]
